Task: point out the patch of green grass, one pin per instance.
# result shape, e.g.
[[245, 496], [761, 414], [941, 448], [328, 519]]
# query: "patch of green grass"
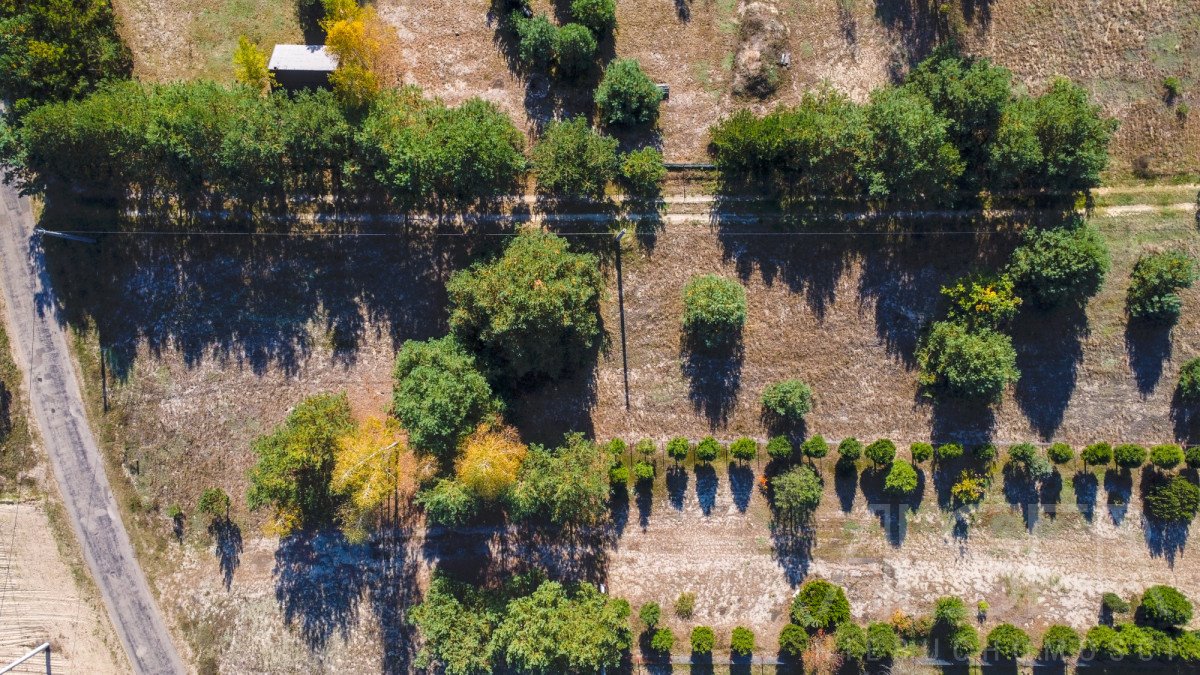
[[217, 27]]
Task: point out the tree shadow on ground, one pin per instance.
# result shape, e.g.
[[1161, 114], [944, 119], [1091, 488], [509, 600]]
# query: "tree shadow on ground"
[[487, 553], [1186, 417], [1118, 485], [618, 510], [1049, 351], [706, 487], [1022, 494], [1050, 493], [547, 411], [1164, 539], [892, 512], [741, 484], [914, 24], [1087, 489], [393, 591], [645, 504], [713, 381], [677, 485], [319, 581], [845, 484], [1147, 346], [227, 539], [793, 543], [256, 301], [968, 422]]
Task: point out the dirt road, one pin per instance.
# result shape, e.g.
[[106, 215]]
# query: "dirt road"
[[40, 347]]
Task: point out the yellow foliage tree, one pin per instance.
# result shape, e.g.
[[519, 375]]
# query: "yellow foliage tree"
[[371, 464], [489, 461], [250, 66], [357, 37]]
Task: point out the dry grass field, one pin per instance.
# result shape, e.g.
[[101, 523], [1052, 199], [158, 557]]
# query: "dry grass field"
[[210, 341], [1121, 51]]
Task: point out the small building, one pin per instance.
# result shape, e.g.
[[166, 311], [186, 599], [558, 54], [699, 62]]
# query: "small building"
[[301, 66]]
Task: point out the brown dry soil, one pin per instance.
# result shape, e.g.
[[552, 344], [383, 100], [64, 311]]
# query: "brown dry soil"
[[1120, 51], [209, 342]]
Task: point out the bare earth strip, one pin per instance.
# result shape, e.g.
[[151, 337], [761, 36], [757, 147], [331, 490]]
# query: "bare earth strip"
[[40, 345]]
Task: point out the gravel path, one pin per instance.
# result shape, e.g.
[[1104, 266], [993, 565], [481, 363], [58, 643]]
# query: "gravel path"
[[40, 347]]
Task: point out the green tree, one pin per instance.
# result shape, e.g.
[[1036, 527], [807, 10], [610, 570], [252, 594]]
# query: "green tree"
[[703, 640], [820, 605], [793, 640], [779, 448], [741, 642], [851, 641], [575, 48], [532, 314], [815, 447], [1153, 284], [911, 157], [1060, 643], [972, 364], [649, 614], [881, 452], [1166, 456], [1060, 453], [788, 400], [707, 449], [440, 396], [536, 40], [571, 161], [1129, 455], [1189, 381], [964, 641], [472, 152], [662, 641], [677, 448], [566, 486], [1176, 500], [744, 449], [1164, 607], [901, 480], [882, 641], [449, 503], [556, 629], [295, 462], [949, 611], [214, 503], [797, 493], [642, 172], [982, 301], [921, 452], [1105, 643], [714, 311], [626, 96], [456, 626], [1097, 454], [1057, 265], [598, 15], [1008, 642], [1073, 136]]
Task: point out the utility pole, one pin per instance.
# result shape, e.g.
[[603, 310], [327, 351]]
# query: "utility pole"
[[621, 311]]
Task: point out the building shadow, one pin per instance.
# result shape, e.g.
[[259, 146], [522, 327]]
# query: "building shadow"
[[227, 539], [1147, 346], [706, 487]]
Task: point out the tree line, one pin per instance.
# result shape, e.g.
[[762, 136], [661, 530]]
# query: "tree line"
[[955, 127]]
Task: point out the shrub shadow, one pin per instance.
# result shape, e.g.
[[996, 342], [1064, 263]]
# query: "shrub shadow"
[[713, 381], [845, 484], [227, 537], [1118, 485], [1147, 347], [741, 484], [677, 485], [706, 487], [793, 545], [1049, 351], [645, 504], [1087, 489], [1022, 493], [319, 582]]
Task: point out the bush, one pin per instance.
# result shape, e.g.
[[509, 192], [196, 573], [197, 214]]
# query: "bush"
[[1153, 284], [947, 452], [969, 489], [964, 642], [643, 172], [788, 401], [1177, 500], [1060, 643], [448, 503], [440, 395], [1105, 643], [851, 641], [1164, 607], [909, 156], [650, 613], [214, 503], [1192, 456], [967, 363], [677, 448], [1060, 453], [617, 447], [536, 40], [1189, 381], [793, 640], [1129, 455], [662, 641], [572, 161], [949, 611], [598, 15], [744, 449], [1114, 604], [780, 448], [901, 480], [815, 447], [707, 449], [1097, 454], [685, 604], [741, 643], [982, 301], [1008, 642], [921, 452], [575, 48], [820, 605], [643, 471], [797, 493], [564, 485], [850, 449], [881, 452], [1173, 87], [626, 96], [1166, 456], [986, 452], [618, 476], [646, 448], [882, 641], [532, 314], [1026, 457], [703, 640], [714, 311], [1054, 266]]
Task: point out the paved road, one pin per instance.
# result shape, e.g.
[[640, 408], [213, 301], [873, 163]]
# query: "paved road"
[[41, 351]]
